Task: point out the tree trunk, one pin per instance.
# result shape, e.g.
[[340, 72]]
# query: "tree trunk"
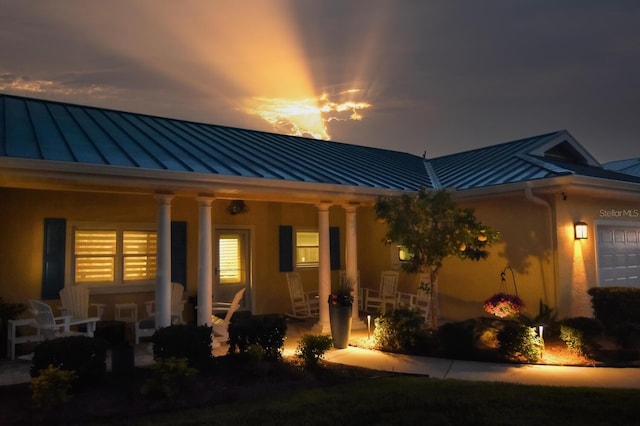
[[433, 320]]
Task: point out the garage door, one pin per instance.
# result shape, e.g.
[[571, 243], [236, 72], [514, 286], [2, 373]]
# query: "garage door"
[[619, 255]]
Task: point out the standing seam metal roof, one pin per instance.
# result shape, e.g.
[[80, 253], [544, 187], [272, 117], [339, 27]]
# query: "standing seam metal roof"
[[48, 130], [56, 131]]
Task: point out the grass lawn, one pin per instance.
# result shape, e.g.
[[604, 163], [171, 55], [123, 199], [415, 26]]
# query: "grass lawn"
[[404, 400]]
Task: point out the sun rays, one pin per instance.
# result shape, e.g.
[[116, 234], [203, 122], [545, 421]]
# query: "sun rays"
[[247, 65]]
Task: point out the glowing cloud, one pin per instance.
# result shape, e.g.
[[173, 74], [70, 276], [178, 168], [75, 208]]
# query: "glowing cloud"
[[305, 117], [12, 83]]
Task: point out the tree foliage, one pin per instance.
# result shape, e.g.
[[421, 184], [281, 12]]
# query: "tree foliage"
[[432, 227]]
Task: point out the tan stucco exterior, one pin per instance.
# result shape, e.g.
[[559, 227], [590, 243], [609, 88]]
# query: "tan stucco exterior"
[[536, 228]]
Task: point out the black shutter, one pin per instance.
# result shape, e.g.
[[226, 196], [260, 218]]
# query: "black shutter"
[[334, 246], [285, 247], [54, 246], [179, 253]]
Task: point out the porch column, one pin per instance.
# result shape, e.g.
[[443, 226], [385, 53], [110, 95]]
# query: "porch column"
[[351, 260], [163, 276], [324, 269], [205, 262]]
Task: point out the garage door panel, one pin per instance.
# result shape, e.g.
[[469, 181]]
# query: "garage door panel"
[[619, 255]]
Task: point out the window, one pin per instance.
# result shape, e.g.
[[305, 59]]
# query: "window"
[[113, 256], [404, 254], [230, 265], [307, 249]]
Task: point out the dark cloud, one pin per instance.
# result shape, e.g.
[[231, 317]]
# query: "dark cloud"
[[441, 76]]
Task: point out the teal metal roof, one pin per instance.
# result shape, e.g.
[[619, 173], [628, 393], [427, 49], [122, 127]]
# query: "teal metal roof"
[[54, 131], [539, 157], [46, 130], [630, 166]]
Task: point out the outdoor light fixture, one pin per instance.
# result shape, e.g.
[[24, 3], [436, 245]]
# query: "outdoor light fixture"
[[580, 230]]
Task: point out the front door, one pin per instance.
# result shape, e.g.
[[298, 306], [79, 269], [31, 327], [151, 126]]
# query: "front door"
[[233, 266]]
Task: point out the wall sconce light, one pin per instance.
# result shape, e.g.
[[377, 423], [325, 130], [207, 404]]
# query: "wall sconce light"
[[236, 207], [580, 230]]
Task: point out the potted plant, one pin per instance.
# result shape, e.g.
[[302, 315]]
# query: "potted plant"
[[340, 302], [503, 305]]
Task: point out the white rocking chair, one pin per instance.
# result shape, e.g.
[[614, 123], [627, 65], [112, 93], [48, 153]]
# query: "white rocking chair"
[[377, 300], [304, 304]]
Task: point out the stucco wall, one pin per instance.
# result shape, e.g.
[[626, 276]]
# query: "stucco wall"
[[548, 263]]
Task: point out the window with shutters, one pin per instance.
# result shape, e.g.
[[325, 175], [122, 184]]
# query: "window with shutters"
[[307, 249], [113, 255]]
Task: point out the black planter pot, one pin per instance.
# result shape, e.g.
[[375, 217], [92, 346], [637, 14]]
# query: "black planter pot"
[[340, 318]]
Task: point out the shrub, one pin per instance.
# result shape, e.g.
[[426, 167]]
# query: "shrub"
[[615, 305], [456, 339], [169, 377], [580, 333], [312, 347], [51, 388], [572, 337], [400, 330], [519, 341], [628, 336], [267, 331], [84, 355], [184, 341]]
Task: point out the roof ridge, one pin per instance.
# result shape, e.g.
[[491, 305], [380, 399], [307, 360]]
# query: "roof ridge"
[[432, 174]]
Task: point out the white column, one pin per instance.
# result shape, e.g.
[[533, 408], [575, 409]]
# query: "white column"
[[205, 262], [351, 260], [324, 269], [163, 277]]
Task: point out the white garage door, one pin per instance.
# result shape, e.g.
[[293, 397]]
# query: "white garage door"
[[619, 255]]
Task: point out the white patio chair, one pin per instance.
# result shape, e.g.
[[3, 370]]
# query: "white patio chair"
[[75, 302], [177, 303], [386, 295], [422, 299], [147, 327], [304, 304], [52, 327], [221, 325]]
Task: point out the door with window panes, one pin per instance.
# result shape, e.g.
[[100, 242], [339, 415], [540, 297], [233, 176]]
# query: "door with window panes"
[[232, 266]]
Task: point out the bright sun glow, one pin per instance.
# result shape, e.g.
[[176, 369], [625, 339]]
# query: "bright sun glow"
[[235, 58], [306, 117]]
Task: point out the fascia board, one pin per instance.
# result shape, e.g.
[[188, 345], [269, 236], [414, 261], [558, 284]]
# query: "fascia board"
[[88, 177]]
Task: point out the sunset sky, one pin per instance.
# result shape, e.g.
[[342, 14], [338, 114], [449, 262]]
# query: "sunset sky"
[[408, 75]]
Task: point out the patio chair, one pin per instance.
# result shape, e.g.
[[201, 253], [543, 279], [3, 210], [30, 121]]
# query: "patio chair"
[[177, 303], [304, 304], [387, 294], [422, 299], [147, 327], [75, 302], [52, 327], [221, 326]]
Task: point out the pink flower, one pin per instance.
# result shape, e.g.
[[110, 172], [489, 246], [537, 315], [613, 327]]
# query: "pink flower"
[[503, 305]]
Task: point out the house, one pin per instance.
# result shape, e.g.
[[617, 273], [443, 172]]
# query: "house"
[[127, 203]]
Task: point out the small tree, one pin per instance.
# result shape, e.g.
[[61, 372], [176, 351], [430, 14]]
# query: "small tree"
[[431, 227]]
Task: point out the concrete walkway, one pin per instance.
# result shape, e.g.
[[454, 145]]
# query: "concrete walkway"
[[12, 372]]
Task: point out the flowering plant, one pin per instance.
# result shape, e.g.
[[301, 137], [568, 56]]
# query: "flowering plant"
[[503, 305], [343, 295]]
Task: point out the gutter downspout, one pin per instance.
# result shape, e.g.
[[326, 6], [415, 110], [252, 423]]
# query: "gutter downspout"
[[528, 193]]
